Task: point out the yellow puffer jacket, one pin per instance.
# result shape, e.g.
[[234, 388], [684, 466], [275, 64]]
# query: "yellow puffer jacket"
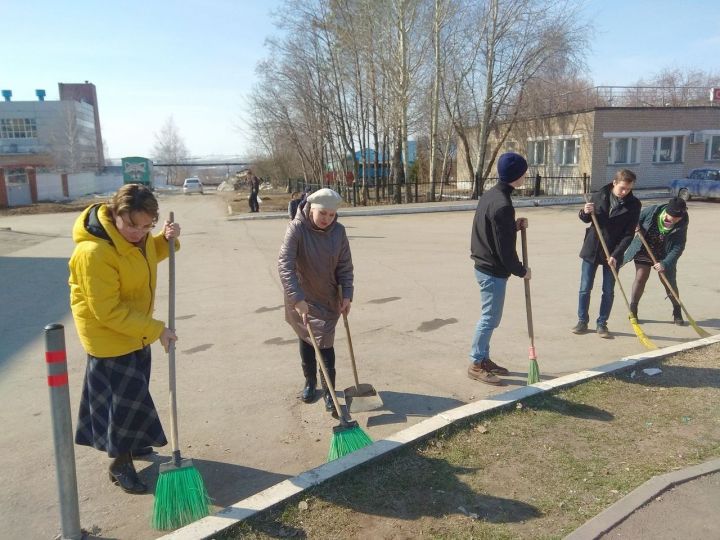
[[112, 286]]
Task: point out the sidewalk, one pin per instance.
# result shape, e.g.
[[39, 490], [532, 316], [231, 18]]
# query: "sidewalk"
[[679, 505]]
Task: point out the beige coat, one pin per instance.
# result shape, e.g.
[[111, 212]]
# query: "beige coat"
[[311, 264]]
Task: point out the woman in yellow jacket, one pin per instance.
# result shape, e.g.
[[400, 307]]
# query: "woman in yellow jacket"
[[113, 274]]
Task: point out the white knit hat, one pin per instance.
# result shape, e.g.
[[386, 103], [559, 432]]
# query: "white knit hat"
[[325, 198]]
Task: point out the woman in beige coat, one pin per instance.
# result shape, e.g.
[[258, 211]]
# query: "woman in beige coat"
[[314, 259]]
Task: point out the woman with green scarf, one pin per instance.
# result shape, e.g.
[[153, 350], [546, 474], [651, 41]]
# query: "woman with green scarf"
[[665, 229]]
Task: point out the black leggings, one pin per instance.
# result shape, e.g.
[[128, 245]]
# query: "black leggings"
[[642, 273], [309, 362]]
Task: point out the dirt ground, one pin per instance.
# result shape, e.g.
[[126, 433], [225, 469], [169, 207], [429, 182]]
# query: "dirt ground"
[[537, 472], [75, 205]]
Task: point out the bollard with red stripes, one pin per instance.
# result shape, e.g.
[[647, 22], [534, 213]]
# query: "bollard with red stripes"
[[57, 380]]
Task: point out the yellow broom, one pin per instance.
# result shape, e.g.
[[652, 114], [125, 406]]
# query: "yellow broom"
[[663, 277], [633, 321]]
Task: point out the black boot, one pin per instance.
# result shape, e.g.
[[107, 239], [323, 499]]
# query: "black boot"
[[122, 472], [677, 316], [308, 392], [327, 398], [309, 367], [633, 309]]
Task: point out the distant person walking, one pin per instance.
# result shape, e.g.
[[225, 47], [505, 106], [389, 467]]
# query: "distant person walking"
[[254, 183], [113, 273], [492, 245], [617, 211], [665, 229]]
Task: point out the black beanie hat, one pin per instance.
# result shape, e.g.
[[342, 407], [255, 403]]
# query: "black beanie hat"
[[676, 207], [511, 166]]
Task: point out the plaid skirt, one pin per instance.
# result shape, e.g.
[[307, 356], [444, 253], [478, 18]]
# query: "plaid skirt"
[[117, 414]]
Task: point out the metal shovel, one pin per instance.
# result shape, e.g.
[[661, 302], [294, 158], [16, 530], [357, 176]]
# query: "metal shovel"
[[361, 397]]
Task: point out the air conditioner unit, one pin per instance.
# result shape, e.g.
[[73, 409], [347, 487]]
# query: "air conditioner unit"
[[697, 137]]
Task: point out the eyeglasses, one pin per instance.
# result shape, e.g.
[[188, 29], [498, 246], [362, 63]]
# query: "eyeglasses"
[[130, 225]]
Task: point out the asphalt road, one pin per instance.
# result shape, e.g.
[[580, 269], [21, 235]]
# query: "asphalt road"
[[239, 376]]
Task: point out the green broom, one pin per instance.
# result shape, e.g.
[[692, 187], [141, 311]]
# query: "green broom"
[[180, 494], [533, 371], [633, 320], [348, 436]]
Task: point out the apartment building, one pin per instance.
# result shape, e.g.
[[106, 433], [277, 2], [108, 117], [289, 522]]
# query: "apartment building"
[[658, 143]]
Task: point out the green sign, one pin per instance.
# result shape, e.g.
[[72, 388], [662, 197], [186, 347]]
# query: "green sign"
[[137, 170]]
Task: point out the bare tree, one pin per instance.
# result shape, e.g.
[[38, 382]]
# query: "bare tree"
[[170, 148], [504, 55]]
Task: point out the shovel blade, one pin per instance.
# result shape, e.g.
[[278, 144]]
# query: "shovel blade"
[[362, 398]]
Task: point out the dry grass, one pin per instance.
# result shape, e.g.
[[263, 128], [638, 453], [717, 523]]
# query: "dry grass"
[[538, 471]]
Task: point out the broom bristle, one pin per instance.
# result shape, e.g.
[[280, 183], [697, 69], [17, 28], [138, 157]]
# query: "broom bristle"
[[533, 372], [640, 334], [346, 441], [180, 499]]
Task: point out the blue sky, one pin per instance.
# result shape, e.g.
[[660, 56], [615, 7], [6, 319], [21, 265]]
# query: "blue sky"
[[195, 60]]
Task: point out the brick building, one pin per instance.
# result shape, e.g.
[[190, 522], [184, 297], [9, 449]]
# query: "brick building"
[[37, 136], [658, 143]]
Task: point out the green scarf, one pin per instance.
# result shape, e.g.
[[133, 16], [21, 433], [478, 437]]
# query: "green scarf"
[[661, 223]]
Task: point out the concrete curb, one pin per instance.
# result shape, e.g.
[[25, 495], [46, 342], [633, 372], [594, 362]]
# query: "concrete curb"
[[279, 493], [428, 208], [610, 518]]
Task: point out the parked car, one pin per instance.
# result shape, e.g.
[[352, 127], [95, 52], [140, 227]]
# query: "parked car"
[[192, 185], [699, 183]]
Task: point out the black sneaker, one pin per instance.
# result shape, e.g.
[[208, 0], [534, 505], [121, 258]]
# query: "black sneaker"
[[580, 328], [602, 331], [677, 316]]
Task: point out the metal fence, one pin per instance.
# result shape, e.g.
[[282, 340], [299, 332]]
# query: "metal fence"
[[387, 193]]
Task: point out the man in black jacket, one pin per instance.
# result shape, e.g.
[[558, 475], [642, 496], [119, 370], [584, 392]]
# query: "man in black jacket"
[[617, 211], [492, 246]]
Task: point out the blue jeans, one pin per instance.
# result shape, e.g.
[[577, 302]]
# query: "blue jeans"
[[492, 299], [587, 277]]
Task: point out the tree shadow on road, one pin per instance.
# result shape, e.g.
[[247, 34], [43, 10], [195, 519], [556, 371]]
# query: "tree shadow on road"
[[34, 294], [398, 406]]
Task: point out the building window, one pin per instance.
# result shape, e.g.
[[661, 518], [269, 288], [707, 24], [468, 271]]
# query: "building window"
[[712, 148], [18, 128], [668, 149], [16, 176], [567, 151], [536, 152], [622, 151]]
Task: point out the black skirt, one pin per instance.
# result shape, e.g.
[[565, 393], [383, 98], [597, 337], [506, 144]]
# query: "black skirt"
[[117, 414]]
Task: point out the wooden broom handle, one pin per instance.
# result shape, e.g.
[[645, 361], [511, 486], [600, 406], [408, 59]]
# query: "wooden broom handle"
[[324, 370], [349, 340], [528, 303], [171, 345]]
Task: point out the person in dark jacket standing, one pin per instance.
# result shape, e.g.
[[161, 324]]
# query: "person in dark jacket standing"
[[492, 246], [665, 228], [254, 182], [617, 211]]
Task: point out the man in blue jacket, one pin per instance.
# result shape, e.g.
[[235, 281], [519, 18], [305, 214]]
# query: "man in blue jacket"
[[665, 228], [492, 246], [617, 211]]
